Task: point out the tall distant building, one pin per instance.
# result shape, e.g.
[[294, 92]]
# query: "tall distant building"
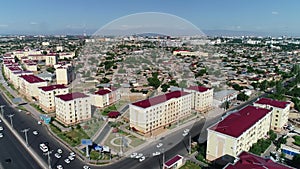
[[65, 75], [280, 114]]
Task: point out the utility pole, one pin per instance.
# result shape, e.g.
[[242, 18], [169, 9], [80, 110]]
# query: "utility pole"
[[2, 111], [49, 158], [190, 143], [11, 122], [25, 132]]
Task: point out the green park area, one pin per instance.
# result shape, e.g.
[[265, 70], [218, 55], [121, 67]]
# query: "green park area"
[[190, 165]]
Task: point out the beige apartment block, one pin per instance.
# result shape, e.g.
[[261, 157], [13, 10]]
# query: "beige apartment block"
[[202, 98], [160, 111], [29, 85], [237, 132], [47, 96], [72, 108], [64, 75], [106, 96], [280, 114]]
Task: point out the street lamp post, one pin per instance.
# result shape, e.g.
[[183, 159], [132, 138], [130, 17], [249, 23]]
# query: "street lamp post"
[[25, 132], [11, 122], [2, 111], [49, 158]]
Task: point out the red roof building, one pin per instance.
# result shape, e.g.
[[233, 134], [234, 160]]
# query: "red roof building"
[[103, 92], [174, 163], [114, 114], [53, 87], [237, 123], [274, 103], [72, 96], [159, 99], [198, 88], [250, 161], [32, 79]]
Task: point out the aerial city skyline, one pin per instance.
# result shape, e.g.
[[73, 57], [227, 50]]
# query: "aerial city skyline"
[[230, 17], [162, 84]]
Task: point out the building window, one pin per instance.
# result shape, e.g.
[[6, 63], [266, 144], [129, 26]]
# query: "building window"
[[276, 115]]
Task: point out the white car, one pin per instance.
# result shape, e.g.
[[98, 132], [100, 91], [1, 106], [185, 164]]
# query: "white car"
[[0, 120], [159, 145], [67, 161], [142, 158], [139, 155], [39, 122], [72, 154], [43, 147], [156, 153], [184, 134], [59, 151], [1, 135], [86, 167], [57, 155], [133, 155], [186, 130], [1, 128], [59, 166], [35, 132], [71, 158]]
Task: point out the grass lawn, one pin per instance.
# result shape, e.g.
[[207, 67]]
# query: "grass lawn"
[[37, 108], [72, 137], [190, 165], [297, 140], [109, 109]]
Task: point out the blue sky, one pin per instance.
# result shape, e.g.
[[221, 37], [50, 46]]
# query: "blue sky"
[[56, 16]]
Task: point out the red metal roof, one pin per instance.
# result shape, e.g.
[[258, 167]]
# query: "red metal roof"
[[237, 123], [14, 68], [32, 79], [274, 103], [173, 160], [102, 92], [248, 160], [198, 88], [53, 87], [113, 114], [159, 99], [72, 96]]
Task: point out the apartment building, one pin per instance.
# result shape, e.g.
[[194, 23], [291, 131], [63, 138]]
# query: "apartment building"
[[160, 111], [51, 60], [64, 75], [280, 114], [15, 77], [106, 96], [202, 98], [237, 132], [29, 85], [72, 108], [47, 96]]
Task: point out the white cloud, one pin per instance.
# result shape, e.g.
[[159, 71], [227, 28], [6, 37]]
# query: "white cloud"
[[33, 23], [3, 25], [274, 13]]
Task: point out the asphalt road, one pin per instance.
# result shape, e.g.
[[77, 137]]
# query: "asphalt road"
[[102, 135], [13, 155], [22, 121]]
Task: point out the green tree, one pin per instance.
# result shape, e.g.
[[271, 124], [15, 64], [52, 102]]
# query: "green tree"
[[164, 87], [153, 81], [296, 160], [242, 96]]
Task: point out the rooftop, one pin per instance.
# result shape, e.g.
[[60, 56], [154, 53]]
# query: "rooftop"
[[248, 160], [72, 96], [159, 99], [53, 87], [102, 92], [32, 79], [274, 103], [173, 160], [198, 88], [244, 119]]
